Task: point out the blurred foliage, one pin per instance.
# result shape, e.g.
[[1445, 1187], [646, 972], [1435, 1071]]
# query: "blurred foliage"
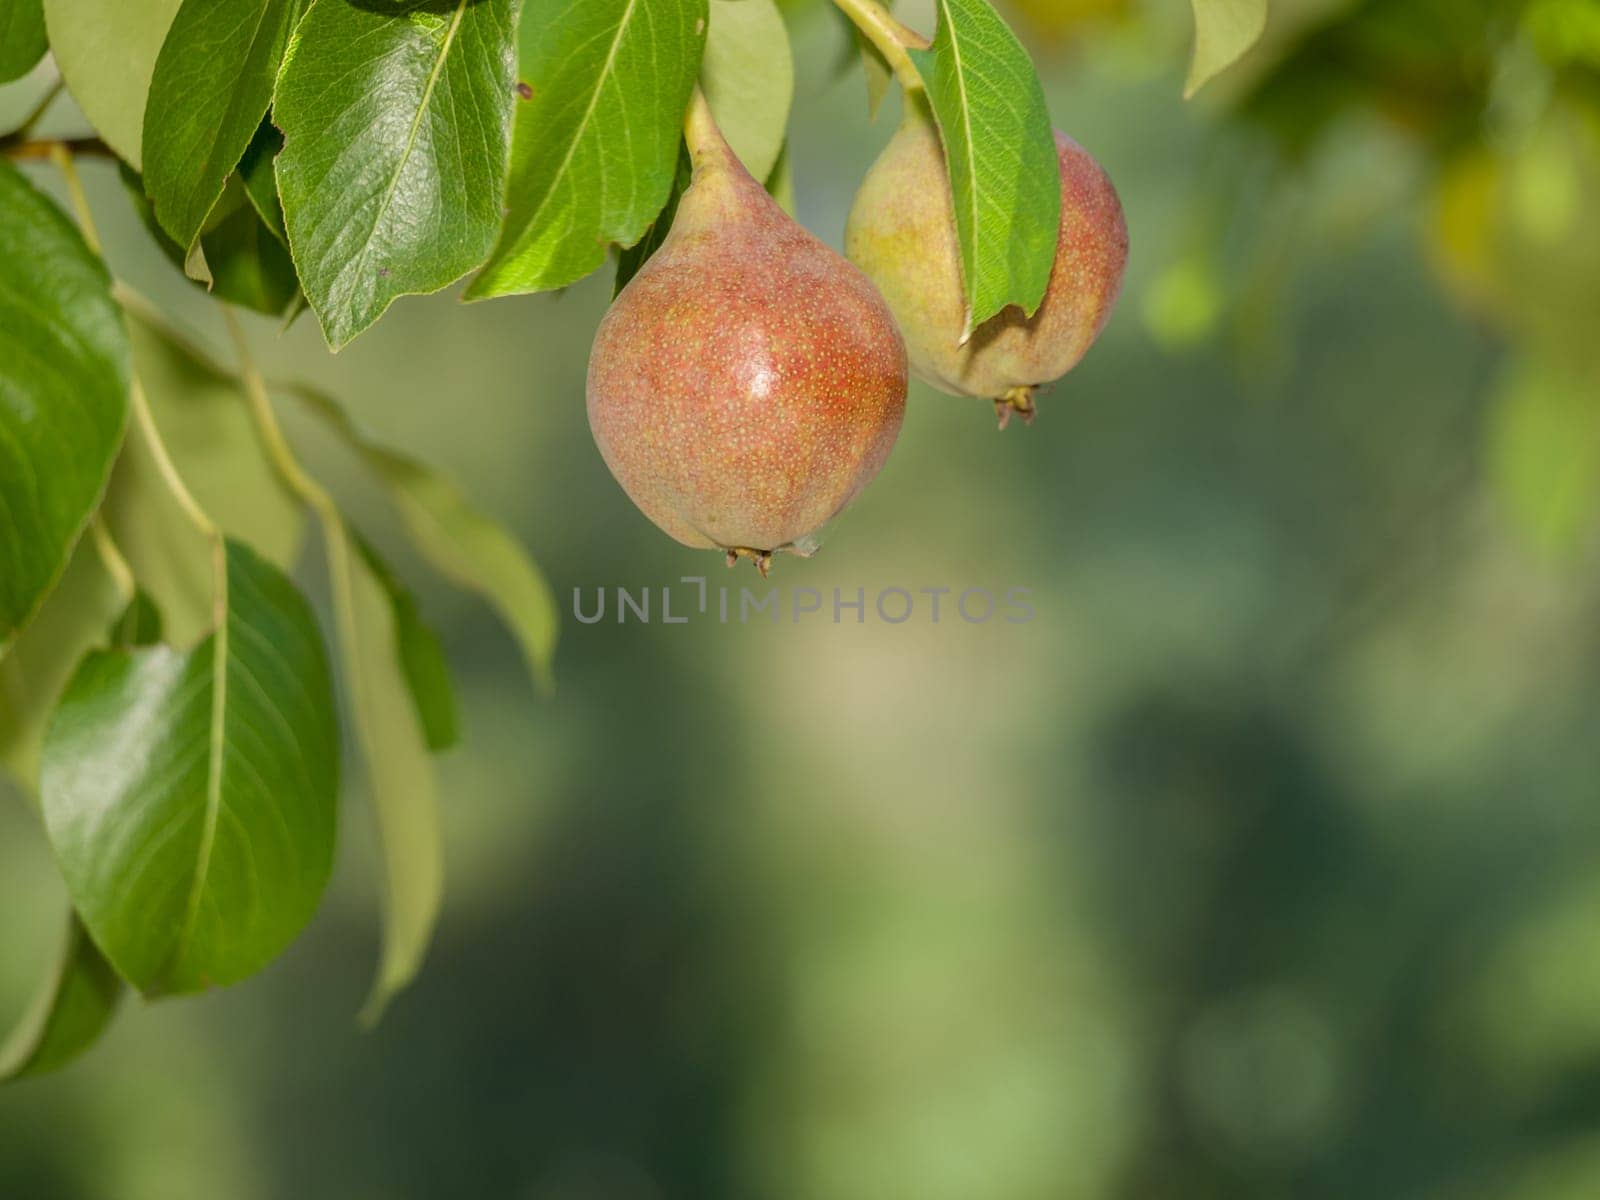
[[1262, 865], [1496, 106]]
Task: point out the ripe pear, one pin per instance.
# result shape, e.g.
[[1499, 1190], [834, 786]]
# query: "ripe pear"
[[749, 381], [901, 232]]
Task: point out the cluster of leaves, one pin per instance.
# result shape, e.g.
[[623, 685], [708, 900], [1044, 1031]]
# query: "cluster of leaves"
[[165, 693]]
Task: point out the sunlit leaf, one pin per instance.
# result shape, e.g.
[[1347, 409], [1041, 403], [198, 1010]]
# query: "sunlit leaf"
[[1000, 149], [396, 120], [595, 148], [212, 84], [197, 860], [63, 394]]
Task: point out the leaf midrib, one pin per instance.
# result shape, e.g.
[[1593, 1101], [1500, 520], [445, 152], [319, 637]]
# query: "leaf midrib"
[[213, 142], [216, 744], [416, 124], [604, 75], [971, 155]]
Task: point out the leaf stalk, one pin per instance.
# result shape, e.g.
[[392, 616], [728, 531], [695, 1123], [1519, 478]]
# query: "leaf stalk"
[[105, 547], [888, 36]]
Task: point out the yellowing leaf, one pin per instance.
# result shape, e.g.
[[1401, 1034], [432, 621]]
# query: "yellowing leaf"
[[457, 540], [1223, 31], [399, 770]]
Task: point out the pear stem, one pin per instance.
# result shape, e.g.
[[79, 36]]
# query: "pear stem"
[[888, 37], [700, 129]]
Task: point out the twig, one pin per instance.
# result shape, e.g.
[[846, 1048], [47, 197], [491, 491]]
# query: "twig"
[[15, 146]]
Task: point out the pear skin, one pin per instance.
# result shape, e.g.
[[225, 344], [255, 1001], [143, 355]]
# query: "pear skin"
[[749, 381], [901, 232]]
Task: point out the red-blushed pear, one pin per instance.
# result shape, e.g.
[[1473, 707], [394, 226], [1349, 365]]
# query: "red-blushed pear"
[[748, 382], [901, 232]]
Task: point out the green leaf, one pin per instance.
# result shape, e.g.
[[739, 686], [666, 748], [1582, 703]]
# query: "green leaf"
[[421, 656], [460, 542], [205, 423], [195, 860], [1005, 179], [243, 262], [257, 173], [595, 150], [63, 394], [1544, 456], [106, 50], [139, 624], [1223, 31], [22, 40], [212, 84], [73, 621], [399, 770], [76, 1005], [396, 122], [631, 258], [248, 264], [748, 78], [82, 993]]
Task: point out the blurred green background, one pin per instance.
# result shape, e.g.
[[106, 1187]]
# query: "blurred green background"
[[1262, 863]]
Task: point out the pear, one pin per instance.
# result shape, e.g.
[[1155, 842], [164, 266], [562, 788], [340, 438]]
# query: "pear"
[[901, 232], [748, 382]]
